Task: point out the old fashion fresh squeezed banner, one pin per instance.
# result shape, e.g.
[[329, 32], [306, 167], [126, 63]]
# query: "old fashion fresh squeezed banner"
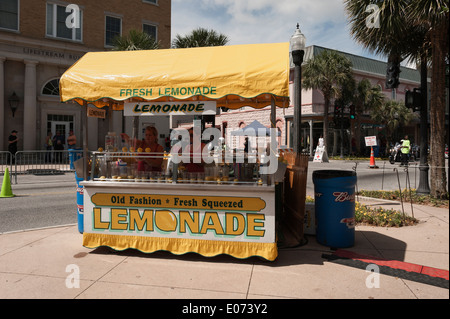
[[170, 108], [241, 226]]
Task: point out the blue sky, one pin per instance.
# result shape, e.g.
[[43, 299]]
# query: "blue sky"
[[323, 22]]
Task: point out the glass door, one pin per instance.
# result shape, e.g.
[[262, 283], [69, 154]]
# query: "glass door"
[[62, 128]]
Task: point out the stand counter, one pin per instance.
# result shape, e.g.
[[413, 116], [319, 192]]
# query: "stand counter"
[[208, 219]]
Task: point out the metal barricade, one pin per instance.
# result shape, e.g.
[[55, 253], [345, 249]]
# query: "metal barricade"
[[5, 162], [37, 162]]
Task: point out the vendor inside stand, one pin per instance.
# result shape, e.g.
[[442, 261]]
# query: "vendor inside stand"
[[195, 149], [150, 145]]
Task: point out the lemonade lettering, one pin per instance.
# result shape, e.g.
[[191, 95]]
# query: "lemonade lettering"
[[168, 91], [195, 222], [168, 108]]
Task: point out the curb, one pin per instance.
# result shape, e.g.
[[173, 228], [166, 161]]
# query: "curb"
[[424, 274]]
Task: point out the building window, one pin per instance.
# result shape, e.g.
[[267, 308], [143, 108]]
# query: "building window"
[[113, 28], [56, 23], [51, 88], [151, 1], [9, 14], [60, 123], [151, 30]]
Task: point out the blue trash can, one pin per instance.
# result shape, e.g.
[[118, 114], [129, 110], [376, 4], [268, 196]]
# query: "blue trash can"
[[334, 193], [80, 204], [74, 154]]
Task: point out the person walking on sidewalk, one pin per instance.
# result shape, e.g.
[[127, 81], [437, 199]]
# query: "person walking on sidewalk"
[[406, 147]]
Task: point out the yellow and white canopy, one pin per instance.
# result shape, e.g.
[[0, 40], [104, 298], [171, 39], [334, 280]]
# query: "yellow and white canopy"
[[233, 76]]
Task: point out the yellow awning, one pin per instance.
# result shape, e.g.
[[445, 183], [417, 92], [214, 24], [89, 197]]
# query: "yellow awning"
[[234, 76]]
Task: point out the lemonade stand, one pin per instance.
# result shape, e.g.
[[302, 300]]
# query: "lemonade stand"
[[167, 210]]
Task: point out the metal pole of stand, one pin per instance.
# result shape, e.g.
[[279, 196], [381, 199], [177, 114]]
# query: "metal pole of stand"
[[85, 141]]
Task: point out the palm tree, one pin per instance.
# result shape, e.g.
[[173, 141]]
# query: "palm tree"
[[327, 72], [200, 37], [135, 40], [393, 114], [435, 13], [366, 97], [412, 29]]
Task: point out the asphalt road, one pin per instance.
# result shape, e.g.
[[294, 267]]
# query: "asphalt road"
[[382, 178], [39, 201], [45, 201]]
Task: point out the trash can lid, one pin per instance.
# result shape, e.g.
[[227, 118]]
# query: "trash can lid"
[[324, 174]]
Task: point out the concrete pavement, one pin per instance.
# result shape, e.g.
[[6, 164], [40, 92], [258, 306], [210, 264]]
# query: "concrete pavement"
[[42, 264]]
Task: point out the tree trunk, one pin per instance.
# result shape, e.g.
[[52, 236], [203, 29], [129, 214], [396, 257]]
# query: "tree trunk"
[[335, 141], [358, 133], [437, 115], [325, 123]]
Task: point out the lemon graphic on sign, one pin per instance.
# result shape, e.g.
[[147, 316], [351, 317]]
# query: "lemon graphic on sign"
[[165, 220]]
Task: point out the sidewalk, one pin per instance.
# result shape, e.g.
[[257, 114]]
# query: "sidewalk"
[[38, 263]]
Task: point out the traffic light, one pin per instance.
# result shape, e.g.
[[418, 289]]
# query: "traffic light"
[[413, 99], [352, 112], [338, 112], [392, 75], [338, 108]]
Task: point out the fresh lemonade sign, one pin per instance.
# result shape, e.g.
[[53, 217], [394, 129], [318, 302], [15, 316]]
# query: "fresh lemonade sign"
[[181, 92]]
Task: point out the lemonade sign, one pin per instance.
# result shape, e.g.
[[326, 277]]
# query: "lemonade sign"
[[153, 221], [170, 108], [147, 214]]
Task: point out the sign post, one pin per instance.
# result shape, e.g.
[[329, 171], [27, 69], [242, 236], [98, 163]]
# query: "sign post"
[[371, 141], [320, 154]]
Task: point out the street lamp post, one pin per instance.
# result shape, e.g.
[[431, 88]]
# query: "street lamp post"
[[424, 187], [13, 102], [298, 50]]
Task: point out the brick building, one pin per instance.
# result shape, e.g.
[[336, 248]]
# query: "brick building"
[[40, 39]]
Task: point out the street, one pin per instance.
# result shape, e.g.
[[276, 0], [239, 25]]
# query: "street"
[[382, 178], [40, 201], [50, 200]]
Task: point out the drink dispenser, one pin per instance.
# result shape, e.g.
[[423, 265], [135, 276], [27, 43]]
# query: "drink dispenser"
[[111, 142]]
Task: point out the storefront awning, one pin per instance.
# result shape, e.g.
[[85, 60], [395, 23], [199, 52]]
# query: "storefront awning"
[[233, 76]]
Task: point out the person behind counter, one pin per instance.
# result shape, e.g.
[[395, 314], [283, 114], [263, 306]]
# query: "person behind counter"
[[195, 150], [150, 141], [71, 140]]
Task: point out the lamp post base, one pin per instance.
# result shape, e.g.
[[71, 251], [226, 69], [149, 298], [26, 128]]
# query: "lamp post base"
[[423, 188]]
